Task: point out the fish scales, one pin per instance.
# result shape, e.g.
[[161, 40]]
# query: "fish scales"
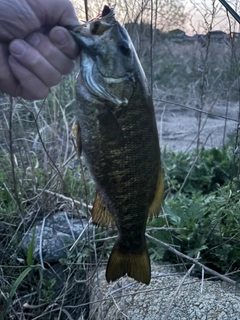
[[119, 139]]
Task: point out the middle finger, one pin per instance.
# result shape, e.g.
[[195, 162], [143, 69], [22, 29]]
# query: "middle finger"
[[50, 52], [35, 62]]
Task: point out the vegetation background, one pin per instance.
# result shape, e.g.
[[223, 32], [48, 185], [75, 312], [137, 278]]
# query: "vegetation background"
[[194, 77]]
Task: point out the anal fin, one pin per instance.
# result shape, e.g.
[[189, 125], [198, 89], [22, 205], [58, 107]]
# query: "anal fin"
[[100, 214]]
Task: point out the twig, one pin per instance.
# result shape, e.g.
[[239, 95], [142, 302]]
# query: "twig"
[[164, 228], [230, 9], [162, 275], [79, 237], [178, 289], [192, 166], [161, 126], [195, 261], [202, 281], [151, 48], [188, 174], [66, 198], [54, 310], [86, 9], [119, 310], [51, 179], [196, 109], [11, 153], [172, 286], [41, 243]]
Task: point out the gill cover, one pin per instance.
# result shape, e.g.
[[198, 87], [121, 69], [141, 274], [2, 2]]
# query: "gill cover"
[[106, 58]]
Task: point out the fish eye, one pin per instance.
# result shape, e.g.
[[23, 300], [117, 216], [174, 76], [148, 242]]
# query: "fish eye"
[[124, 48]]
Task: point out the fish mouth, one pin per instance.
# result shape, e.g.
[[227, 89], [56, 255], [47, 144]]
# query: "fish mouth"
[[91, 27], [106, 10], [98, 79], [102, 89], [106, 13]]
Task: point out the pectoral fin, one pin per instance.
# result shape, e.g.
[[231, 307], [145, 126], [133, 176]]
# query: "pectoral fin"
[[109, 125], [100, 214], [158, 197], [76, 132]]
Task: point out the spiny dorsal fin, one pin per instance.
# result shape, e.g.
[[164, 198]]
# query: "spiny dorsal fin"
[[100, 214], [158, 197]]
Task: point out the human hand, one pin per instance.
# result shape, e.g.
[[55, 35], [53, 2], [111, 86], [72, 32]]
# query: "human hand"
[[35, 50]]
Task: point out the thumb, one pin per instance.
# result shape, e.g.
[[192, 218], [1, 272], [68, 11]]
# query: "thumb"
[[54, 12]]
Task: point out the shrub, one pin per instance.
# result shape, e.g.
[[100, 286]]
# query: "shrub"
[[208, 224], [204, 172]]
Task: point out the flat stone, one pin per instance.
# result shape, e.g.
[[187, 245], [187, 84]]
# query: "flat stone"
[[218, 300], [55, 235]]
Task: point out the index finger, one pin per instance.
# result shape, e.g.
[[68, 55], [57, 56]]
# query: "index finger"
[[62, 38]]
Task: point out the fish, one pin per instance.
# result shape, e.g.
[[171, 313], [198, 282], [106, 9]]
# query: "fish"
[[117, 133]]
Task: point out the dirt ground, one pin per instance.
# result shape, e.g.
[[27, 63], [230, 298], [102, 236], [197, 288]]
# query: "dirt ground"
[[178, 127]]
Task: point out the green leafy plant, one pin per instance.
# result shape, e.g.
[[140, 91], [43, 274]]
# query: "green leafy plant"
[[208, 224], [204, 172]]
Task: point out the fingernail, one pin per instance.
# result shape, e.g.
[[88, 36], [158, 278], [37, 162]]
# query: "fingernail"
[[34, 39], [18, 47], [60, 37]]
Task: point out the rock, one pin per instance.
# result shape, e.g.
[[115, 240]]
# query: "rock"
[[57, 233], [127, 299]]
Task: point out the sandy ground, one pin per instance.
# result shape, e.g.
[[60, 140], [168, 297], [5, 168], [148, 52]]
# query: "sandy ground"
[[178, 127]]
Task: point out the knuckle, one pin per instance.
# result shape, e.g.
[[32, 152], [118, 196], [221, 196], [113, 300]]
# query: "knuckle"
[[68, 67], [54, 80], [38, 92], [32, 59], [49, 52], [38, 95]]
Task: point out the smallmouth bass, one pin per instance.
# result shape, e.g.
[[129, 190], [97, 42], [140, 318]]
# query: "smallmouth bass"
[[118, 135]]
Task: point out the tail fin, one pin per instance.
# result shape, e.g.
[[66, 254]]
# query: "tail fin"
[[135, 265]]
